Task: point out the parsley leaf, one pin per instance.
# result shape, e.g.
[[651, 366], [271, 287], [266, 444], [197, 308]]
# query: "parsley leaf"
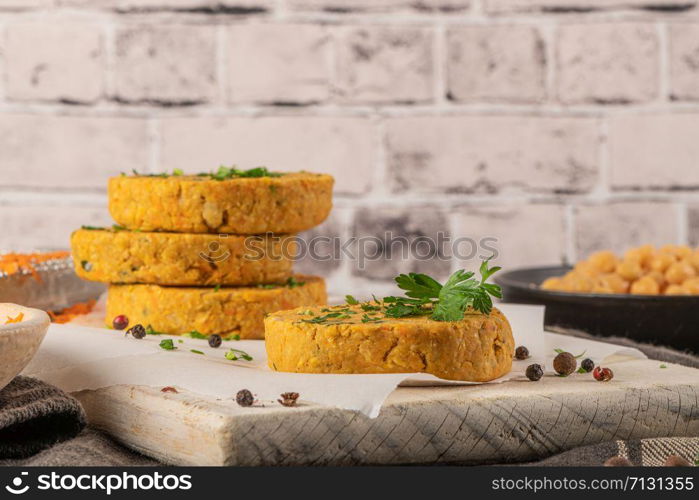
[[446, 302]]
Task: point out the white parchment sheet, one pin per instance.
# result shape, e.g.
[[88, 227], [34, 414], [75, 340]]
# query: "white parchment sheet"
[[76, 358]]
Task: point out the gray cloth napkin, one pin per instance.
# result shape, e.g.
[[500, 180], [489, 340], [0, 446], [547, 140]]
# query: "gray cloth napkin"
[[650, 452], [34, 416], [90, 448]]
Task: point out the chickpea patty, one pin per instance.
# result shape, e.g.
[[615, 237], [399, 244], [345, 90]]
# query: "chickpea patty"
[[181, 259], [287, 203], [477, 348], [227, 311]]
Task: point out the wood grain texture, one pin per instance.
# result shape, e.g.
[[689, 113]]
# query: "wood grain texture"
[[508, 422]]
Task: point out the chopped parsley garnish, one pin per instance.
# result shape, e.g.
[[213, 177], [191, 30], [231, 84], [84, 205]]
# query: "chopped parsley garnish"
[[236, 354], [217, 288], [224, 173], [137, 174], [151, 331], [168, 345], [196, 351], [292, 283], [197, 335], [324, 318], [351, 300], [92, 228]]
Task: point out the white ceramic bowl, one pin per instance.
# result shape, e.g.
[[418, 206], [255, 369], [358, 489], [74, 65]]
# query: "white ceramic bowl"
[[19, 341]]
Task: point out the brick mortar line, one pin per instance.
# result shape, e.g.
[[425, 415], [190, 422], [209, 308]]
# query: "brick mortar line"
[[16, 195], [221, 47], [376, 18], [603, 188], [569, 231], [114, 109], [682, 216], [440, 54], [664, 61]]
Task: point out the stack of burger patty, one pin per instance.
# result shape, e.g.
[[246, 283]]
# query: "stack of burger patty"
[[210, 253]]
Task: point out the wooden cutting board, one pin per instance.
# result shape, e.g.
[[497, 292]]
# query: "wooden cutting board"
[[514, 421]]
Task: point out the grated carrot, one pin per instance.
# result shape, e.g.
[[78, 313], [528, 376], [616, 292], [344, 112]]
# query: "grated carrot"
[[67, 314], [18, 319], [12, 263]]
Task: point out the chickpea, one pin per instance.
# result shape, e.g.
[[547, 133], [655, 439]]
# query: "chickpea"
[[630, 270], [645, 286], [691, 286], [579, 284], [659, 277], [553, 284], [661, 262], [678, 272], [613, 282], [642, 254], [676, 290], [694, 260], [586, 269], [679, 251], [604, 261]]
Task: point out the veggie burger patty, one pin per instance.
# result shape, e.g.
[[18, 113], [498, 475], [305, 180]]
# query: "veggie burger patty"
[[226, 311], [283, 203], [120, 256], [319, 340]]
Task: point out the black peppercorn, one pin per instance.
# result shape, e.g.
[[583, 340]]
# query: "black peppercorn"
[[521, 352], [565, 364], [215, 340], [137, 331], [534, 372], [587, 365], [120, 322], [244, 398]]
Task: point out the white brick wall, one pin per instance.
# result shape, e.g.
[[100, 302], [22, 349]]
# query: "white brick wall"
[[62, 61], [557, 126]]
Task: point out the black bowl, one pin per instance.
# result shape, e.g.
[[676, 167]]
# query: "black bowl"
[[658, 319]]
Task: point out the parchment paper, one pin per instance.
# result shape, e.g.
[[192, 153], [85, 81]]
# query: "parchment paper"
[[76, 358]]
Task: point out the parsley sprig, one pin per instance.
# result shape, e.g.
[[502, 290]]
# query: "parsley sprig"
[[447, 302]]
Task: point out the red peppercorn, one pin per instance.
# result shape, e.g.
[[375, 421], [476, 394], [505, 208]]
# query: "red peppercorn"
[[602, 374], [120, 322]]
